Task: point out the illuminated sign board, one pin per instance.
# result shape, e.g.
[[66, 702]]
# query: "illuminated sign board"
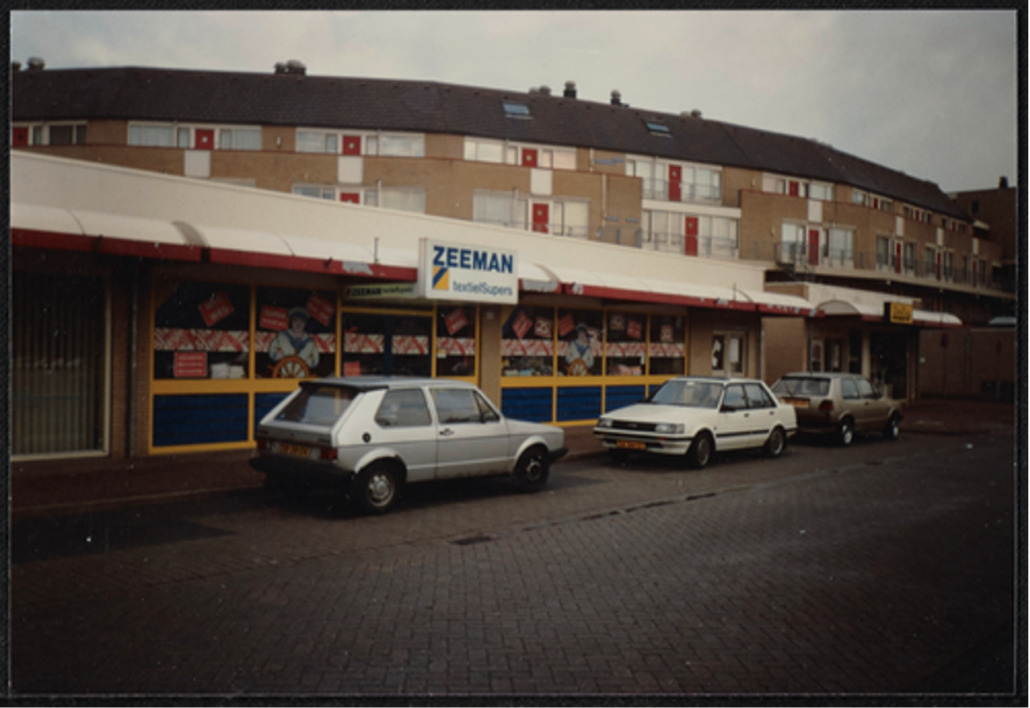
[[897, 312], [451, 271], [385, 291]]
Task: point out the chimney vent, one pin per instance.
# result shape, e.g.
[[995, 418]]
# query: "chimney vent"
[[15, 66], [695, 113], [36, 64], [616, 98], [545, 90], [570, 89], [1003, 182], [291, 67]]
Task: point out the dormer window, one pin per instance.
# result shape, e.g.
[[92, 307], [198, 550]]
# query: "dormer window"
[[658, 128], [516, 110]]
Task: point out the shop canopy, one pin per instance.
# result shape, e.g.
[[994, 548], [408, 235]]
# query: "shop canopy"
[[871, 313], [85, 206]]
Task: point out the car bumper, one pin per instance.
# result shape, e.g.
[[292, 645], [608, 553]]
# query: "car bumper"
[[658, 444], [557, 453], [293, 470]]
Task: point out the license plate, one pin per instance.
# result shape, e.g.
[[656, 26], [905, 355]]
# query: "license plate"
[[295, 449], [797, 402], [630, 445]]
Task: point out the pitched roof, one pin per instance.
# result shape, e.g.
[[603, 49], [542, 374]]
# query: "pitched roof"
[[135, 93]]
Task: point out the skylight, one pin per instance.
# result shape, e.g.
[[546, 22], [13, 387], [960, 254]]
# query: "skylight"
[[657, 128], [516, 110]]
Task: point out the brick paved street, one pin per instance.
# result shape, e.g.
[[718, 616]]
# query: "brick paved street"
[[867, 570]]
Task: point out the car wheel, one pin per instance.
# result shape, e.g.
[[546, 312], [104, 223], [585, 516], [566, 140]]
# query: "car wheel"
[[532, 470], [893, 429], [376, 488], [700, 452], [846, 432], [776, 443]]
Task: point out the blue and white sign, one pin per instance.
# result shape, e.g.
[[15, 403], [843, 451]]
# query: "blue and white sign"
[[453, 271]]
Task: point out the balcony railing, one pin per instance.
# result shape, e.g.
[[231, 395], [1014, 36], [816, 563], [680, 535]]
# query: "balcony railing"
[[660, 190]]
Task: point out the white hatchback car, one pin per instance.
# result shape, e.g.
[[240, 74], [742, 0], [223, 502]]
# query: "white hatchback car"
[[695, 416], [372, 435]]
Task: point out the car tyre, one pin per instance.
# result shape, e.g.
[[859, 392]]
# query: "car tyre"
[[532, 470], [776, 443], [893, 430], [846, 432], [377, 488], [700, 452]]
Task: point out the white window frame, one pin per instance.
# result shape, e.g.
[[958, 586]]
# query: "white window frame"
[[654, 173], [39, 133], [840, 257]]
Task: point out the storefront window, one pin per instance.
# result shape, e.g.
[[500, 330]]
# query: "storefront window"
[[668, 351], [296, 333], [728, 354], [456, 341], [527, 345], [386, 344], [627, 344], [201, 330], [579, 345]]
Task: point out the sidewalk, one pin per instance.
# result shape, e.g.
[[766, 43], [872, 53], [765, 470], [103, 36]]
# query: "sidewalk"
[[71, 487]]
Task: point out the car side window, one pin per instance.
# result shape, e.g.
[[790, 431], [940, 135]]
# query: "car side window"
[[848, 389], [865, 389], [734, 399], [403, 409], [486, 412], [456, 405], [757, 397]]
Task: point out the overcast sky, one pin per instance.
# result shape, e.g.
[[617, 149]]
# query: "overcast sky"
[[931, 93]]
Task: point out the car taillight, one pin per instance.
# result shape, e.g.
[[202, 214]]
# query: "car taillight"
[[826, 406], [327, 453]]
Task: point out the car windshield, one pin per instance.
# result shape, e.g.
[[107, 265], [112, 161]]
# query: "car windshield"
[[802, 386], [692, 394], [318, 405]]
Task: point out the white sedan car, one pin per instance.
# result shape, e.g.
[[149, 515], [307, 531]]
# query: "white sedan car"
[[696, 416], [371, 435]]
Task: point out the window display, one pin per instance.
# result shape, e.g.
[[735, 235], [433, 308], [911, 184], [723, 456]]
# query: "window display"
[[455, 341], [201, 330], [667, 345], [386, 344], [579, 345], [626, 344], [295, 333], [527, 344]]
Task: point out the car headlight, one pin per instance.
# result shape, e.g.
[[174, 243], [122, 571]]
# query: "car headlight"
[[669, 428], [604, 423]]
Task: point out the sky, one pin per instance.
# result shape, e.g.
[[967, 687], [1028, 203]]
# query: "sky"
[[930, 93]]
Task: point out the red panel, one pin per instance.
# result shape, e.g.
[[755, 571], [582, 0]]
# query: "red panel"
[[350, 197], [813, 247], [541, 218], [205, 140], [675, 178], [19, 137], [897, 258], [794, 189], [351, 144], [690, 243], [529, 157]]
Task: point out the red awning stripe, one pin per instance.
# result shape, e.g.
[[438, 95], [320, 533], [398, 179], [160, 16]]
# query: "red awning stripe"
[[98, 244], [653, 297]]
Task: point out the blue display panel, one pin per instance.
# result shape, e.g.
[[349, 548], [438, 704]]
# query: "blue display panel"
[[579, 403], [199, 419], [533, 404], [619, 396]]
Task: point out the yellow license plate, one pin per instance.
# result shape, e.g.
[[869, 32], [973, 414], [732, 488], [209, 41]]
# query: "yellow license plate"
[[797, 402], [295, 449], [630, 445]]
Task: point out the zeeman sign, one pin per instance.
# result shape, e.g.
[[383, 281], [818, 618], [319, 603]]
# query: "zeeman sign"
[[450, 271]]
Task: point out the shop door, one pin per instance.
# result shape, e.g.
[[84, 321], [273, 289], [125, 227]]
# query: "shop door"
[[690, 242], [541, 218], [205, 139], [386, 345], [675, 183], [813, 247], [889, 362]]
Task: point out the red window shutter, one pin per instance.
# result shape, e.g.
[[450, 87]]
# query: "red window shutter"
[[813, 247], [350, 197], [529, 157], [19, 137], [876, 203], [541, 218], [351, 144], [690, 243], [795, 189], [675, 180], [205, 139]]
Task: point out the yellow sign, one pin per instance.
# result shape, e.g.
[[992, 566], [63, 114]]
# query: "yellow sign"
[[386, 291], [897, 312]]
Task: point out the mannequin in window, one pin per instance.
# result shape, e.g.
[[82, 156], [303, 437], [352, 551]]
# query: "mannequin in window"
[[580, 355], [295, 341]]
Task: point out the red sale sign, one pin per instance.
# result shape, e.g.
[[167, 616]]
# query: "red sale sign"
[[273, 318], [321, 309], [216, 309], [617, 322], [635, 329], [666, 335], [456, 321], [543, 327], [565, 325], [190, 365], [521, 325]]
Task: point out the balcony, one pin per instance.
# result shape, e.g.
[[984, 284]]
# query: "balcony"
[[689, 192]]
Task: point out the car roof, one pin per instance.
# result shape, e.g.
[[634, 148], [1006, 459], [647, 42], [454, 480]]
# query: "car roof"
[[372, 383], [716, 379], [819, 375]]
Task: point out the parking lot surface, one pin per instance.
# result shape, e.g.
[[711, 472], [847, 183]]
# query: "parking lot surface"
[[885, 568]]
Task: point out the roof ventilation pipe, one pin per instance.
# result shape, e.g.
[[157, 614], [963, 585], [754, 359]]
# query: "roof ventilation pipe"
[[545, 90], [1003, 182], [570, 89], [36, 64], [291, 67], [616, 98]]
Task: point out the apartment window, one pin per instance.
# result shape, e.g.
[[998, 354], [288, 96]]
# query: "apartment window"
[[910, 257], [66, 134], [883, 252], [841, 247], [484, 151], [676, 182], [411, 199], [662, 231], [792, 243], [820, 190], [143, 135], [317, 142], [316, 191], [397, 146], [239, 139], [859, 197], [949, 265], [717, 236], [498, 208], [575, 216]]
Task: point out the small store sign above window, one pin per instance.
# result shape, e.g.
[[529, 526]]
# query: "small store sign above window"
[[459, 272], [897, 312]]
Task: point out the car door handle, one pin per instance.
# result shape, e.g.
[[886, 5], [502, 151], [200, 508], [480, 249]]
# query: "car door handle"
[[446, 431]]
